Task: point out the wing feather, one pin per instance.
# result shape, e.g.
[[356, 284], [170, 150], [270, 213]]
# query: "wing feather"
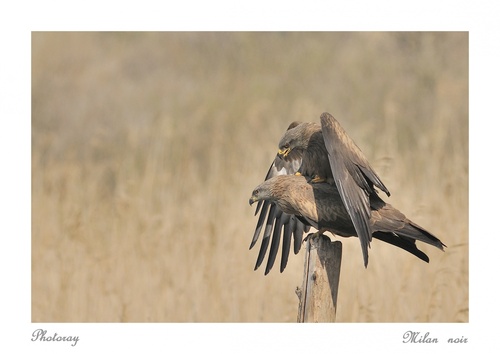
[[274, 244], [279, 224], [287, 238], [298, 232], [351, 183]]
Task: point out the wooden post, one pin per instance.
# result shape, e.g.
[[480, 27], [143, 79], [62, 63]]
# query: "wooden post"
[[318, 296]]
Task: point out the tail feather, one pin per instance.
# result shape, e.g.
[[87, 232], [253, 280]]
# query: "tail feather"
[[401, 242], [415, 232]]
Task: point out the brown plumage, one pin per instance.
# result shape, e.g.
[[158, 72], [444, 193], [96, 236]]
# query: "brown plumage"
[[327, 153], [320, 152], [320, 205]]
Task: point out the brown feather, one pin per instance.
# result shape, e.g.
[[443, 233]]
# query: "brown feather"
[[320, 205]]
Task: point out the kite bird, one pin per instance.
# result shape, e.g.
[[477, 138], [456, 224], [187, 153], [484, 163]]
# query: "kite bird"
[[324, 154], [320, 205]]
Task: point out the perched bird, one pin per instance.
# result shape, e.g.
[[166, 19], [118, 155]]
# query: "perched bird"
[[322, 153], [320, 205]]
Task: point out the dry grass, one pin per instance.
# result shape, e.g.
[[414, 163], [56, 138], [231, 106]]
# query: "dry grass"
[[146, 147]]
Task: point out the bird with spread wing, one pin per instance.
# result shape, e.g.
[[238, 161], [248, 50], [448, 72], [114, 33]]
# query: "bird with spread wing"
[[341, 186]]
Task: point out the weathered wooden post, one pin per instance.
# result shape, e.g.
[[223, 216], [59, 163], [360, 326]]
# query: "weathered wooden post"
[[318, 296]]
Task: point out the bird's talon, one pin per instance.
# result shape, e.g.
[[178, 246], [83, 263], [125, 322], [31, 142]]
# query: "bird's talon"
[[310, 236], [318, 179]]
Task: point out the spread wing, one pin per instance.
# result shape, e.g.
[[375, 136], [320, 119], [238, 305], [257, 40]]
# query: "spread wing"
[[276, 223], [354, 177]]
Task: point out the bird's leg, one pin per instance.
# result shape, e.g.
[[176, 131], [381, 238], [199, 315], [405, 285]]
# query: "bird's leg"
[[312, 236]]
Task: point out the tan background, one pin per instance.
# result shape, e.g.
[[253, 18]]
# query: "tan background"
[[147, 146]]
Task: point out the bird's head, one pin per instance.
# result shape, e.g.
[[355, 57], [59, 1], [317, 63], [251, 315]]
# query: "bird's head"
[[275, 189], [295, 139], [257, 195], [263, 191]]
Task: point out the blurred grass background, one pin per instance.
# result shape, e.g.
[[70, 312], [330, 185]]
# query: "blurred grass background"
[[147, 146]]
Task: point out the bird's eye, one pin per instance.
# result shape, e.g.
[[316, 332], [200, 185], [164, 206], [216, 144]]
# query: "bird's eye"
[[287, 145], [256, 192]]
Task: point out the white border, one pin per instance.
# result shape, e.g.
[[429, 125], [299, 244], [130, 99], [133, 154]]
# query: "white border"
[[480, 18]]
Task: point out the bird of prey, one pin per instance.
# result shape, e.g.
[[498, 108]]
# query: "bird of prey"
[[320, 205], [322, 153]]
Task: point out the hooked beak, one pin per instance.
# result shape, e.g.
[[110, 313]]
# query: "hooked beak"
[[282, 153], [252, 200]]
